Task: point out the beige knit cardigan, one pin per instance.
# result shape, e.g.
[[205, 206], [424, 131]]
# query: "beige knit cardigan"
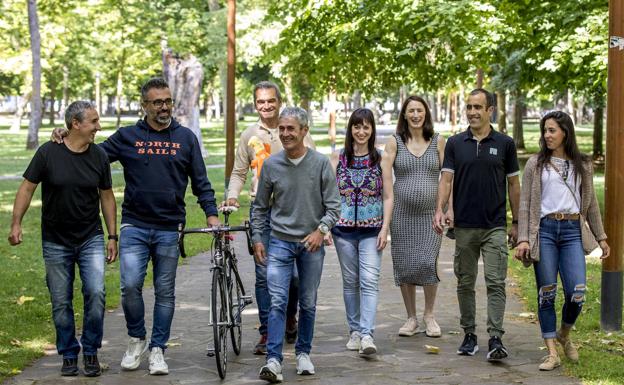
[[531, 207]]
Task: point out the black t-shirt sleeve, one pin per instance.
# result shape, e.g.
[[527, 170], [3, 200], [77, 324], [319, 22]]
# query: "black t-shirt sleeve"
[[106, 181], [449, 155], [36, 169], [511, 159]]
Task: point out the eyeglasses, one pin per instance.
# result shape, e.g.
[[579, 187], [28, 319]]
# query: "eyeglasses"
[[158, 103]]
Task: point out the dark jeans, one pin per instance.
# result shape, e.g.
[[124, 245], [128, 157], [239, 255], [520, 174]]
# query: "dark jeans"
[[561, 252], [262, 290], [60, 263]]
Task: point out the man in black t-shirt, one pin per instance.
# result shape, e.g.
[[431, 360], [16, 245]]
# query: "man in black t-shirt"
[[75, 178], [481, 164]]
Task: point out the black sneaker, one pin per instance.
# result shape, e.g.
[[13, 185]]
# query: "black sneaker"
[[70, 367], [92, 366], [496, 349], [469, 347]]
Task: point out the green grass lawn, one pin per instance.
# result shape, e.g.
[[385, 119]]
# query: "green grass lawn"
[[26, 327]]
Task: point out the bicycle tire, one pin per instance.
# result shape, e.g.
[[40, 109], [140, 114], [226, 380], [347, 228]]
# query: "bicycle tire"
[[235, 293], [219, 321]]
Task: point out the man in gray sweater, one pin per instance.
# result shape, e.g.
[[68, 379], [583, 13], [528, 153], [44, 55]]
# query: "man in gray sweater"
[[299, 186]]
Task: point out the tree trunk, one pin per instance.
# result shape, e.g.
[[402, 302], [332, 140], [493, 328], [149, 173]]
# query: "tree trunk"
[[207, 104], [213, 5], [52, 110], [453, 111], [357, 99], [403, 94], [65, 101], [332, 119], [518, 131], [22, 102], [570, 105], [185, 79], [439, 113], [597, 149], [462, 106], [479, 78], [32, 141], [447, 118], [502, 111], [305, 104]]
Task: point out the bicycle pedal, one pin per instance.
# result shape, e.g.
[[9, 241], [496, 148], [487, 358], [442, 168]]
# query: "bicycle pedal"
[[210, 352], [247, 300]]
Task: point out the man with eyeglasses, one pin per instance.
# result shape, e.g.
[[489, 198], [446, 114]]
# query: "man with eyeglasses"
[[158, 156], [258, 142], [481, 164]]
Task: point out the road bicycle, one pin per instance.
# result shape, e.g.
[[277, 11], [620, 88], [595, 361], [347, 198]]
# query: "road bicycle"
[[228, 297]]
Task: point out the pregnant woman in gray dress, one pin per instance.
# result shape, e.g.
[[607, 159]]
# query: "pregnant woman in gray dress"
[[417, 153]]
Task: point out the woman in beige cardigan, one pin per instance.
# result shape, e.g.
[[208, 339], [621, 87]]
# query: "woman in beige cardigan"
[[559, 223]]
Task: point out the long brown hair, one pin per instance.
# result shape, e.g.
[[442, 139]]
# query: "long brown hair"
[[569, 141], [402, 128]]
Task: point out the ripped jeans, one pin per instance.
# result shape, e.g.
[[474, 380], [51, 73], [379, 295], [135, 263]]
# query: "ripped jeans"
[[561, 252]]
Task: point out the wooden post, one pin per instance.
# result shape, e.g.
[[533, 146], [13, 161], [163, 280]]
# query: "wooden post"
[[98, 96], [611, 289], [230, 118]]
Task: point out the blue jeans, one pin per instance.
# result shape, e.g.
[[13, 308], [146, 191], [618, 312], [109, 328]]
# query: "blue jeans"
[[360, 262], [136, 247], [60, 264], [282, 256], [262, 290], [561, 251]]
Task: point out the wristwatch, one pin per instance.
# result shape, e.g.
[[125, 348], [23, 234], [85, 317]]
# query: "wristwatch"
[[323, 228], [113, 237]]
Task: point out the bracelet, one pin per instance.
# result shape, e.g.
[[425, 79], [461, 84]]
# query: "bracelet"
[[514, 222], [114, 237]]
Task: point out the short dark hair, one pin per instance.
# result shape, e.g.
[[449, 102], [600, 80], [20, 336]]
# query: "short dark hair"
[[158, 83], [267, 85], [76, 111], [403, 130], [490, 100]]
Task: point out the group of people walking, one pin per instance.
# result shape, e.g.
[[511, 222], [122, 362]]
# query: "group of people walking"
[[302, 200]]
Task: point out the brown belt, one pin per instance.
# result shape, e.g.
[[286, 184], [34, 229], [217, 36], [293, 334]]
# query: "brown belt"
[[564, 217]]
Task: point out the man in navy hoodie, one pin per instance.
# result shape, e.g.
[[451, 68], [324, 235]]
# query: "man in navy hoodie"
[[158, 156]]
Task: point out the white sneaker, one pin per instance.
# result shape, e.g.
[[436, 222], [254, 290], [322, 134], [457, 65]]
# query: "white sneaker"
[[354, 341], [367, 346], [304, 364], [409, 328], [137, 348], [157, 364], [272, 371]]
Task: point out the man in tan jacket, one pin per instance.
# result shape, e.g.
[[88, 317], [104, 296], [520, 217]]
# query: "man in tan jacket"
[[256, 144]]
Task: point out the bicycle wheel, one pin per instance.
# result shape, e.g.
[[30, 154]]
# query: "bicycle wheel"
[[236, 306], [219, 320]]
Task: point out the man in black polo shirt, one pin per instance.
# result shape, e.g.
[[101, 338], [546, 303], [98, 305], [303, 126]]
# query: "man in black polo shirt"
[[76, 180], [480, 163]]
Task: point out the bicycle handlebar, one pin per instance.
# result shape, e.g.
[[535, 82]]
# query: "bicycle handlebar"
[[218, 230]]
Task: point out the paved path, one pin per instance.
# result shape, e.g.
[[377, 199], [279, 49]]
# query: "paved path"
[[401, 360]]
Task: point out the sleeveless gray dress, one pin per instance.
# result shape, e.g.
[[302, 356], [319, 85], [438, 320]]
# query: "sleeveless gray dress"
[[415, 245]]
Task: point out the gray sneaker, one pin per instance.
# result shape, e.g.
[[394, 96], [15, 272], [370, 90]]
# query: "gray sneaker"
[[367, 346], [304, 364], [272, 371]]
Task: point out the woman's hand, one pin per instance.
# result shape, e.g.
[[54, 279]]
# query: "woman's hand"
[[522, 251], [382, 238], [606, 250]]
